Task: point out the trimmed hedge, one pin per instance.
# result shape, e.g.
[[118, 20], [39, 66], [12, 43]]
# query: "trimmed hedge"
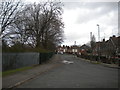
[[102, 59]]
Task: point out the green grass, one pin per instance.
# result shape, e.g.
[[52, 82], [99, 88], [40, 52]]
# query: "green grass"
[[9, 72], [96, 62]]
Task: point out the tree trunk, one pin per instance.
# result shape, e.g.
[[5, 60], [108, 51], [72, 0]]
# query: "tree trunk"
[[38, 41]]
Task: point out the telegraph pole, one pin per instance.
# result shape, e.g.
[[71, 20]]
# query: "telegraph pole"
[[98, 42], [98, 33], [91, 45], [90, 36], [75, 43]]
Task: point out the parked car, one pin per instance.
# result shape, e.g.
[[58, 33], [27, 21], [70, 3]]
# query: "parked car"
[[60, 52]]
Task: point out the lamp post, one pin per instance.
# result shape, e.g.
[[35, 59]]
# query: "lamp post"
[[98, 42]]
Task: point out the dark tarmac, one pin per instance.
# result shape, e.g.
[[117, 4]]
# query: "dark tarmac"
[[79, 74]]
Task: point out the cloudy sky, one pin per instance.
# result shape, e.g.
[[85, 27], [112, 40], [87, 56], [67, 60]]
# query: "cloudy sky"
[[81, 17]]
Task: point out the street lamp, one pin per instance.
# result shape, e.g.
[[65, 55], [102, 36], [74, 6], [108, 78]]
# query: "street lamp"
[[98, 42]]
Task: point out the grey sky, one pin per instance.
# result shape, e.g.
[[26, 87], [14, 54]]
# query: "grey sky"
[[80, 19]]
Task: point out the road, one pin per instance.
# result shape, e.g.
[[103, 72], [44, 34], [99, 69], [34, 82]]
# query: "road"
[[79, 74]]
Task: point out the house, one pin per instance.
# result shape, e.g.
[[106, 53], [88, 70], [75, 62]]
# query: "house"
[[59, 49], [75, 49], [107, 48], [84, 49], [68, 49]]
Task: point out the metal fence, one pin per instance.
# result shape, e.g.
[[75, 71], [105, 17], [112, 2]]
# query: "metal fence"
[[18, 60]]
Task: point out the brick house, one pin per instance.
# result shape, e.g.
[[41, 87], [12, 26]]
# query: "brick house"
[[110, 47]]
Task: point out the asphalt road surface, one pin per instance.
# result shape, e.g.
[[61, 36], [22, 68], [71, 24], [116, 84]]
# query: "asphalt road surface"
[[77, 74]]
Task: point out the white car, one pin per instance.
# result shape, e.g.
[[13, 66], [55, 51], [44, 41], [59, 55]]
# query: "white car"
[[60, 52]]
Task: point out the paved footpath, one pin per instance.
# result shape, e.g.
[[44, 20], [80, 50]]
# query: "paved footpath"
[[23, 76]]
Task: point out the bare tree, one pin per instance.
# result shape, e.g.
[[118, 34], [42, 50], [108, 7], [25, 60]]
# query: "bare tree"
[[8, 10], [42, 23]]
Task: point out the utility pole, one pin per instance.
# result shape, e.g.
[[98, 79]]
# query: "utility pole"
[[91, 39], [90, 36], [91, 44], [74, 48], [98, 42], [98, 33], [75, 43]]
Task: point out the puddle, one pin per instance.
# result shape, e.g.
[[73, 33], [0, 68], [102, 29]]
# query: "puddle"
[[67, 62]]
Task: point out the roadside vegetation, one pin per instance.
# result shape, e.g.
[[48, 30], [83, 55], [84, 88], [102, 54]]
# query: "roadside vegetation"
[[9, 72]]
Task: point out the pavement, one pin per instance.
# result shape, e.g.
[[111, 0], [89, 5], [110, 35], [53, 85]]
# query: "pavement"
[[18, 78]]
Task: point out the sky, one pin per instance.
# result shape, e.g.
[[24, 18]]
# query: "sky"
[[81, 17]]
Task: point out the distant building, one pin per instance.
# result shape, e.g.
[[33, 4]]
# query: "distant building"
[[75, 49], [68, 49], [110, 47], [84, 49]]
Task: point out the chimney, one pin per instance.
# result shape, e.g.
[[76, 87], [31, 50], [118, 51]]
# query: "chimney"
[[114, 36]]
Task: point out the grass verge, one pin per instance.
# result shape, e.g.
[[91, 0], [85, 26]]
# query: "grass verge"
[[9, 72]]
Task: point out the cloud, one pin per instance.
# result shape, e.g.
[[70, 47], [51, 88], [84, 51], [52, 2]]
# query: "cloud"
[[92, 11], [90, 0], [80, 19], [91, 5]]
